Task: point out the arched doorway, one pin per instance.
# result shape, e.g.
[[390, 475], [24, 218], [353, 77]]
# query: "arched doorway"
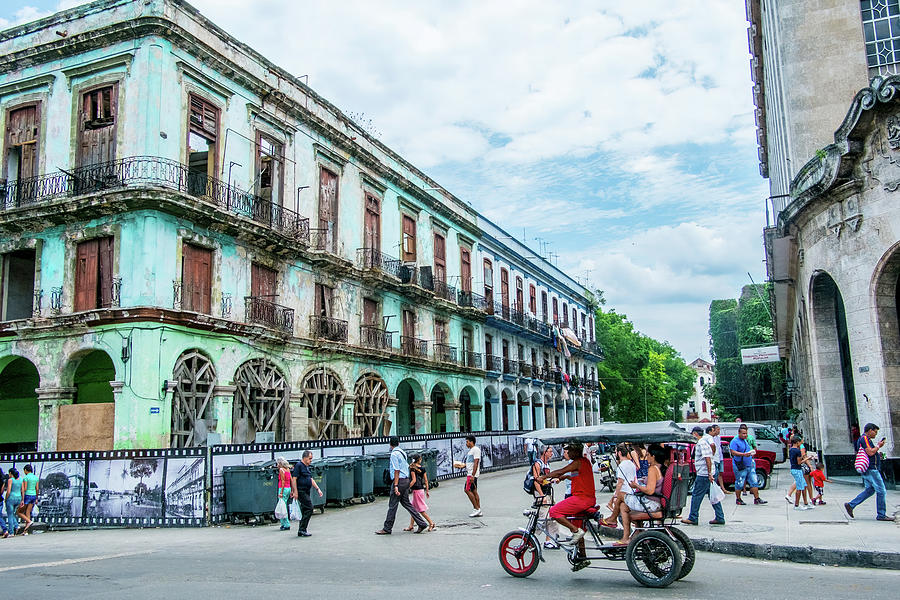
[[549, 411], [92, 376], [836, 371], [192, 403], [370, 414], [887, 303], [488, 409], [537, 412], [324, 394], [440, 394], [524, 413], [18, 405], [260, 401], [89, 423], [466, 397], [408, 393], [507, 404]]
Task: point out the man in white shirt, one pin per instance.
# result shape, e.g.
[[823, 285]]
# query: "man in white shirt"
[[716, 434], [473, 470]]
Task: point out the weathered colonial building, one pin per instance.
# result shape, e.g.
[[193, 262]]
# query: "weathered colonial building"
[[698, 408], [194, 242], [829, 144]]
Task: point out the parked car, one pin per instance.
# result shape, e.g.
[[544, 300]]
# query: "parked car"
[[765, 462], [766, 436]]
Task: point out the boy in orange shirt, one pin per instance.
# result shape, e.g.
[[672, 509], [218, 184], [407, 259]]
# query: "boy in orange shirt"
[[819, 479]]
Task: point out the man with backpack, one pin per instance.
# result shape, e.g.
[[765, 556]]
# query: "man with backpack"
[[399, 494]]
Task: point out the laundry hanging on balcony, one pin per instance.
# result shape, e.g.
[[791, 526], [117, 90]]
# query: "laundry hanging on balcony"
[[571, 337], [559, 341]]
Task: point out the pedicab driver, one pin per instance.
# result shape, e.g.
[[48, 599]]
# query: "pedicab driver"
[[583, 496]]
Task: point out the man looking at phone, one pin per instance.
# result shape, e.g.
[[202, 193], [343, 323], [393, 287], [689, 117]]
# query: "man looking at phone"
[[871, 478]]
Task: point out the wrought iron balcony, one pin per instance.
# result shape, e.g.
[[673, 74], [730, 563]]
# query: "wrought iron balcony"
[[493, 363], [442, 290], [472, 359], [370, 258], [326, 328], [374, 337], [322, 240], [258, 309], [411, 346], [510, 367], [501, 310], [525, 369], [445, 353], [471, 300], [152, 171]]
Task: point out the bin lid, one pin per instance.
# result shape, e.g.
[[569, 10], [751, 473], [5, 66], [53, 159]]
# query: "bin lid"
[[365, 459], [337, 461]]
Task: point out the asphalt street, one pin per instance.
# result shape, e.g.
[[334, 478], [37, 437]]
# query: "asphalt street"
[[344, 559]]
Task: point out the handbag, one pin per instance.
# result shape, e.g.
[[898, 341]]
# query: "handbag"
[[862, 460], [281, 509]]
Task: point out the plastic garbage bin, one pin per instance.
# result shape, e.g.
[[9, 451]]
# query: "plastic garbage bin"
[[320, 476], [429, 461], [364, 478], [250, 490], [339, 479], [381, 472]]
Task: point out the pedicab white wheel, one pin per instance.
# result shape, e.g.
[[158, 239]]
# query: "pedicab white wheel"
[[688, 553], [654, 559], [519, 555]]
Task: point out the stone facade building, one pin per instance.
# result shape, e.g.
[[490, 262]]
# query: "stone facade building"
[[829, 134], [194, 242]]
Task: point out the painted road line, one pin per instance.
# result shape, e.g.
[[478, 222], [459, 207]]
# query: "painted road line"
[[73, 561]]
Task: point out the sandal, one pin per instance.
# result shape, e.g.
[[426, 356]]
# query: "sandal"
[[621, 544], [407, 529], [611, 525], [432, 528]]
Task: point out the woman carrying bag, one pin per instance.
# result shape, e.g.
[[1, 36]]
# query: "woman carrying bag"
[[284, 493]]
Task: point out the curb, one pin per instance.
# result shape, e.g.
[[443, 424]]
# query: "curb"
[[796, 554]]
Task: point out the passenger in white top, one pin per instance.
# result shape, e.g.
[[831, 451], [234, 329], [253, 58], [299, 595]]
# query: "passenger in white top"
[[626, 472]]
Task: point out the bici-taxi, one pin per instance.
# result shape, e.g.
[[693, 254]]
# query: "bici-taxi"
[[658, 553]]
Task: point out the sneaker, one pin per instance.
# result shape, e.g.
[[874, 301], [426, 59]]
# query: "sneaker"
[[580, 565], [789, 499], [884, 518], [821, 502], [799, 508], [807, 507], [716, 522], [740, 502], [551, 545], [577, 536], [476, 513], [760, 501], [849, 509]]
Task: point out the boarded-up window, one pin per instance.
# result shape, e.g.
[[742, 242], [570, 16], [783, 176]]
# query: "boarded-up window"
[[93, 274], [440, 257], [409, 239], [324, 300], [532, 299], [465, 269], [328, 210], [269, 168], [203, 135], [196, 278], [22, 131], [504, 287], [372, 230], [97, 126], [263, 281], [370, 312]]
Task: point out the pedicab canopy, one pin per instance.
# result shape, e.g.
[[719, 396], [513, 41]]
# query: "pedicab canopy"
[[657, 431]]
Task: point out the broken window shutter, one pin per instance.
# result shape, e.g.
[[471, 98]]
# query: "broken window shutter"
[[105, 262], [204, 118], [86, 259]]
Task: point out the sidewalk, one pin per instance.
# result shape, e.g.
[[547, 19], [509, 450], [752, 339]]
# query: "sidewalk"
[[825, 534]]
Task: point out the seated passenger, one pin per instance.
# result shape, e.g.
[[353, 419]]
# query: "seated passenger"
[[626, 471], [582, 498], [646, 500]]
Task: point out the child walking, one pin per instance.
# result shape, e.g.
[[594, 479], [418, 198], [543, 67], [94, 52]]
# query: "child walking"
[[819, 481], [418, 485]]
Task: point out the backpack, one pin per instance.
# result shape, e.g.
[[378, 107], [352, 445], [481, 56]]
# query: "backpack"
[[528, 484], [387, 476]]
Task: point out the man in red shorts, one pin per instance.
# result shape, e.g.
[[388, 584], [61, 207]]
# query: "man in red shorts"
[[583, 497]]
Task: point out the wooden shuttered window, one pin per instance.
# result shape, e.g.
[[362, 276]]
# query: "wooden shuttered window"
[[263, 282], [97, 126], [196, 279], [370, 312], [532, 299], [465, 269], [520, 295], [504, 287], [328, 210], [488, 283], [324, 299], [372, 225], [409, 323], [204, 118], [94, 274], [440, 257], [22, 139], [409, 239]]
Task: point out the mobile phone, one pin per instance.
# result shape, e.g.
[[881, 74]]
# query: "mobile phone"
[[883, 439]]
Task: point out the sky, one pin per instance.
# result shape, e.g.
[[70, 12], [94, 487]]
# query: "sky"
[[617, 135]]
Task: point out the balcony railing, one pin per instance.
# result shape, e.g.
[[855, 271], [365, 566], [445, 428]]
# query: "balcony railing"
[[510, 367], [370, 258], [374, 337], [472, 359], [442, 290], [471, 300], [322, 240], [151, 171], [411, 346], [260, 310], [493, 363], [525, 369], [326, 328], [445, 353]]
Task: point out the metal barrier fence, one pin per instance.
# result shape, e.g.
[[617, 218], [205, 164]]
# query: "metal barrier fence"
[[175, 487]]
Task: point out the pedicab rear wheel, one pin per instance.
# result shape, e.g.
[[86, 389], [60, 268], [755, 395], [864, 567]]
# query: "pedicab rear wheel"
[[653, 559], [519, 555], [688, 553]]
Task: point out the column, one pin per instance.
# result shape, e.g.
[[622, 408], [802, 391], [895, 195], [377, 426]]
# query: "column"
[[223, 411], [422, 412], [348, 413], [392, 414], [49, 401], [298, 418], [451, 411], [476, 416]]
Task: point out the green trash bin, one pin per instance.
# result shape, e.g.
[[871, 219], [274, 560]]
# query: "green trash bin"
[[381, 472], [250, 491], [320, 476], [429, 461], [339, 479], [364, 478]]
